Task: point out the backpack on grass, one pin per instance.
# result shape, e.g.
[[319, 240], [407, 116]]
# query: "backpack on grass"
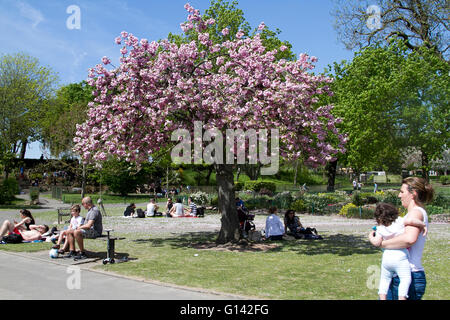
[[140, 213]]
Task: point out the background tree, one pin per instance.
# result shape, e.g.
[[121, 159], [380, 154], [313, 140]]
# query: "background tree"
[[423, 112], [121, 177], [391, 98], [419, 23], [365, 96], [25, 87], [164, 86], [62, 114]]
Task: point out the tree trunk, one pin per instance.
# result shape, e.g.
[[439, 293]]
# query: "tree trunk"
[[83, 182], [167, 182], [208, 175], [295, 172], [331, 173], [238, 173], [229, 231], [252, 170], [23, 149], [425, 167]]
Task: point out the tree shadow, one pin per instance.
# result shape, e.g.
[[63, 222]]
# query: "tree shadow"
[[101, 255], [180, 240], [338, 244]]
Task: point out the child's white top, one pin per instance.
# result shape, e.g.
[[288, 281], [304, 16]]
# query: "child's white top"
[[75, 222], [397, 227]]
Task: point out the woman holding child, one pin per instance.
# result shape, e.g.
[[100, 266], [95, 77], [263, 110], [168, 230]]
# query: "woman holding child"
[[414, 194]]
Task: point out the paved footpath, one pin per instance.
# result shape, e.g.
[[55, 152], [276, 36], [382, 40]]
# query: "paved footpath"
[[25, 277]]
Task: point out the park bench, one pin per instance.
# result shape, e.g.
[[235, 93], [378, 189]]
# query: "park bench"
[[63, 212], [110, 246]]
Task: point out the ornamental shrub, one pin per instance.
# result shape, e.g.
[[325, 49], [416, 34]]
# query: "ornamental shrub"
[[365, 213], [258, 185], [344, 209], [8, 189], [283, 200], [199, 197], [299, 206]]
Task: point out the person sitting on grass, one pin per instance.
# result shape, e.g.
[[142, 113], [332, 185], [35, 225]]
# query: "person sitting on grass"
[[129, 211], [75, 222], [192, 210], [152, 209], [295, 227], [274, 226], [91, 229], [169, 206], [177, 209]]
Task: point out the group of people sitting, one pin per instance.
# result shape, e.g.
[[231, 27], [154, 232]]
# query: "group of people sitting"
[[173, 210], [275, 229], [79, 228]]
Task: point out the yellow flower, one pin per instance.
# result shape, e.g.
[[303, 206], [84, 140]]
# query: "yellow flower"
[[344, 209]]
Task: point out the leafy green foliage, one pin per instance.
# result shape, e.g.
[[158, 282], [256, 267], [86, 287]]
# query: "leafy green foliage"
[[389, 99], [62, 114], [25, 87], [121, 177], [8, 189]]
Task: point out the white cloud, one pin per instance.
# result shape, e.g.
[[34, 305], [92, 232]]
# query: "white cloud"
[[30, 13]]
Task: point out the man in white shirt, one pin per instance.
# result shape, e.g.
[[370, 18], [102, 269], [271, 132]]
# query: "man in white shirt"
[[152, 208], [274, 226]]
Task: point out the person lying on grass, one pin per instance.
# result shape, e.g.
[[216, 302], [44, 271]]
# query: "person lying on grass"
[[35, 233], [26, 221]]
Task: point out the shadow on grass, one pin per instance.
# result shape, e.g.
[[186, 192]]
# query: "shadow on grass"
[[338, 244]]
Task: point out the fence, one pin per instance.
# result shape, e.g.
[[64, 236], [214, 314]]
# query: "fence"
[[57, 192]]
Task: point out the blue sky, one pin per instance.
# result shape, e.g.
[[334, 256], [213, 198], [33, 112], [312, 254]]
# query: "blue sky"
[[39, 29]]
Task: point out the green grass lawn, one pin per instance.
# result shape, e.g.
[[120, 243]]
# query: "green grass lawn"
[[335, 268], [338, 267]]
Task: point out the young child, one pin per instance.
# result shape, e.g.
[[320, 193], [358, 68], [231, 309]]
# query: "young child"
[[75, 222], [394, 261]]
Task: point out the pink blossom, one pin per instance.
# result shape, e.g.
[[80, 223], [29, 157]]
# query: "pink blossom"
[[130, 115], [261, 26]]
